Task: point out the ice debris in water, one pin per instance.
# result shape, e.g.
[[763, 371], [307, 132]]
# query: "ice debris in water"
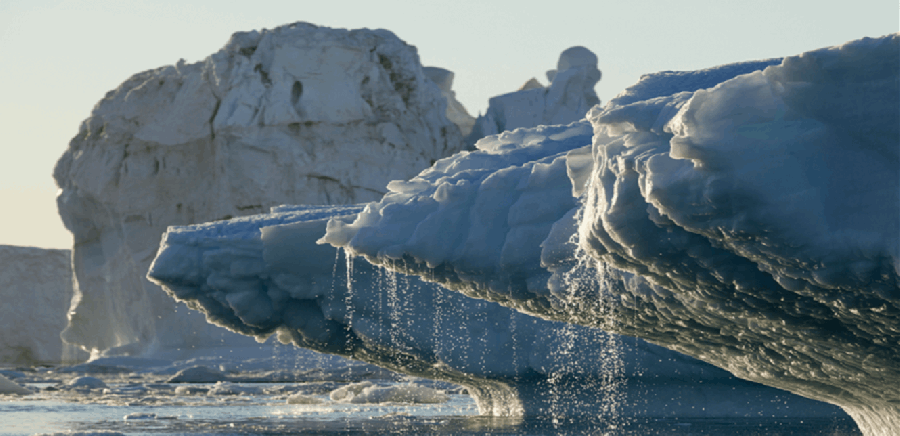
[[8, 386]]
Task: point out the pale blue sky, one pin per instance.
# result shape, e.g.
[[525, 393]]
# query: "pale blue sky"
[[59, 57]]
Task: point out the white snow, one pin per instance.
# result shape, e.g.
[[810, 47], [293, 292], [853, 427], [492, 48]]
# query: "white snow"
[[296, 114], [746, 214], [36, 290]]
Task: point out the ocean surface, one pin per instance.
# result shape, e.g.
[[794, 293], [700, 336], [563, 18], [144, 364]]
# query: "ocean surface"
[[135, 404]]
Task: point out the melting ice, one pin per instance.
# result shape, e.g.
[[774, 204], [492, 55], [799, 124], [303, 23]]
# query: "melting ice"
[[749, 212]]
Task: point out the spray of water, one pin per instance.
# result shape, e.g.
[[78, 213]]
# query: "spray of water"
[[587, 285]]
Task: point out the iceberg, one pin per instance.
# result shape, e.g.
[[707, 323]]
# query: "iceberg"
[[746, 215], [36, 290], [566, 99], [265, 275], [456, 112], [296, 114]]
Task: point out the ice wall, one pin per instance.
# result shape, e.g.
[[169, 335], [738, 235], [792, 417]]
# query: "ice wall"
[[35, 290], [746, 215], [296, 114], [265, 275], [456, 112], [567, 98]]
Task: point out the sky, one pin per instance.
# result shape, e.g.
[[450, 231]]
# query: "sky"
[[59, 57]]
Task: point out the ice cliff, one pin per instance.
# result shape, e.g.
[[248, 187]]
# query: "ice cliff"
[[36, 290], [263, 275], [297, 114], [456, 113], [747, 215], [568, 97]]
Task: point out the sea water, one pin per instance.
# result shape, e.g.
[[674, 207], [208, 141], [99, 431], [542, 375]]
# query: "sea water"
[[139, 404]]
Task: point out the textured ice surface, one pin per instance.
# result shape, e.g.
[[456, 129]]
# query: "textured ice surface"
[[746, 215], [296, 114], [36, 291], [265, 275]]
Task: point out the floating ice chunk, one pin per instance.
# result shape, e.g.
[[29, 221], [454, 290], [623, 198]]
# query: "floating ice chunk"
[[139, 416], [86, 383], [300, 398], [7, 386], [346, 393], [399, 394], [191, 390], [82, 433], [228, 388], [198, 374]]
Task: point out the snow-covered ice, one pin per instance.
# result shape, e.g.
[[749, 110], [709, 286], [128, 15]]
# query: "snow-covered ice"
[[296, 114], [746, 215]]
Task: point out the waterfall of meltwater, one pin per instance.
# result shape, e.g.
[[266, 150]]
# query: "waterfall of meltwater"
[[348, 297], [586, 285]]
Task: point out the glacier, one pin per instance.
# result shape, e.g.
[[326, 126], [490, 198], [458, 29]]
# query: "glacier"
[[265, 275], [296, 114], [746, 215]]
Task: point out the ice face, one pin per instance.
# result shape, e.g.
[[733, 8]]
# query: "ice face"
[[768, 206], [265, 275], [456, 112], [296, 114], [36, 290], [746, 215]]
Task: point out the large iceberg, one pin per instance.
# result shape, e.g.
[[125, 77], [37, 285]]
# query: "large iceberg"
[[36, 290], [747, 215], [296, 114], [265, 275]]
